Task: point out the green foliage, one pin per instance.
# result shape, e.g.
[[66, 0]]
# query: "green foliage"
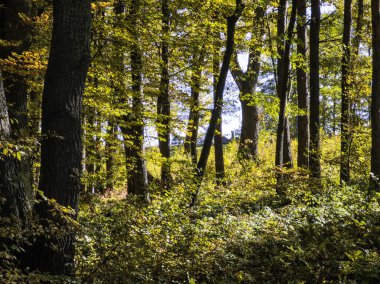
[[239, 233]]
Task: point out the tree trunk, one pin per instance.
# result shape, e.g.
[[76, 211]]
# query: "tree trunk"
[[109, 150], [246, 82], [303, 104], [283, 133], [133, 130], [61, 149], [315, 151], [231, 22], [345, 117], [163, 102], [375, 104], [193, 124], [17, 179], [218, 136]]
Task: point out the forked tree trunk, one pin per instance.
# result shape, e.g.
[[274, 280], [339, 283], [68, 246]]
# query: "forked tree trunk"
[[246, 82]]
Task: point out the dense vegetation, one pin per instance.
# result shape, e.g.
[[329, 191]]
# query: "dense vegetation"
[[114, 165]]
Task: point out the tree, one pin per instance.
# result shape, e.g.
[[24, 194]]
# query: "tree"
[[15, 32], [246, 82], [218, 135], [375, 98], [282, 147], [345, 118], [193, 122], [314, 162], [133, 128], [303, 102], [163, 101], [61, 149], [202, 162]]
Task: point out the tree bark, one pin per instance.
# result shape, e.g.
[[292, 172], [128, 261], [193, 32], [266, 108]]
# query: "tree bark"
[[375, 103], [16, 180], [246, 82], [133, 130], [163, 101], [193, 124], [218, 136], [231, 22], [345, 116], [303, 103], [283, 133], [315, 151], [61, 149]]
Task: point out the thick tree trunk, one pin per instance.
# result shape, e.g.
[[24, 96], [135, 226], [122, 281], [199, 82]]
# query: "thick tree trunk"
[[246, 82], [345, 117], [283, 133], [163, 102], [201, 166], [303, 103], [17, 177], [61, 149], [133, 130], [375, 104], [250, 129], [315, 151]]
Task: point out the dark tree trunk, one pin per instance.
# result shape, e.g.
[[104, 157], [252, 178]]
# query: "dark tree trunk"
[[16, 180], [201, 166], [218, 136], [303, 103], [133, 130], [61, 149], [375, 104], [246, 82], [283, 133], [163, 102], [193, 124], [345, 116], [315, 151]]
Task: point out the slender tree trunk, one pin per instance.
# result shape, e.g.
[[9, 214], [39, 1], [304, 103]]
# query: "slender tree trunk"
[[109, 149], [137, 179], [355, 52], [283, 134], [375, 103], [315, 151], [303, 103], [163, 102], [61, 149], [201, 166], [345, 117], [218, 136], [193, 124]]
